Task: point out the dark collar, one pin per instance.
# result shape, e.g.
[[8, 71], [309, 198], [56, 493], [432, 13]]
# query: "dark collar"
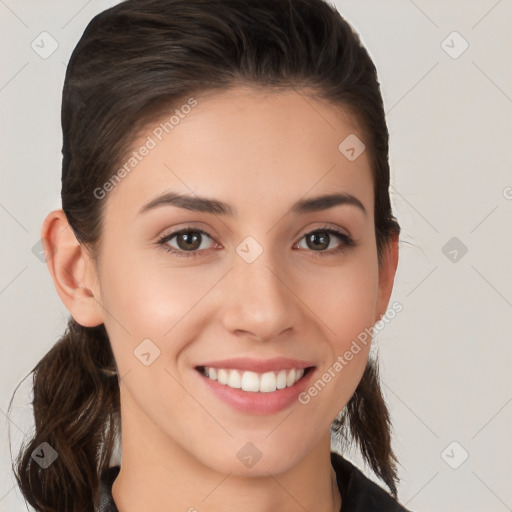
[[358, 493], [106, 501]]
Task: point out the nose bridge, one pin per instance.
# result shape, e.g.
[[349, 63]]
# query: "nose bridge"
[[258, 301]]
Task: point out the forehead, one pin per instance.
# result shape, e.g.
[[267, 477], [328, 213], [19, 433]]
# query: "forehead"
[[243, 146]]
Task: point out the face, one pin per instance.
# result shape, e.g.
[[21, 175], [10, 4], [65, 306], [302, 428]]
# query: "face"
[[258, 286]]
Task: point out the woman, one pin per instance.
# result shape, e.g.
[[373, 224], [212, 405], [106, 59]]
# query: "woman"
[[225, 239]]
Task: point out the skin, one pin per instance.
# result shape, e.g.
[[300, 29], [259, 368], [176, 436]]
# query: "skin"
[[259, 151]]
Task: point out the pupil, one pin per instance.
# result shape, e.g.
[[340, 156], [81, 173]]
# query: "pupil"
[[315, 238], [188, 240]]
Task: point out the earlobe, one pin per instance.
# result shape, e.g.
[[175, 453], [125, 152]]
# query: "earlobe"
[[72, 270], [387, 273]]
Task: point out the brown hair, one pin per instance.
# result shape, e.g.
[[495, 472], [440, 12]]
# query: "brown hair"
[[134, 62]]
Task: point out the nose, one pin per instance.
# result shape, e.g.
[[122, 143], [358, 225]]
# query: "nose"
[[257, 299]]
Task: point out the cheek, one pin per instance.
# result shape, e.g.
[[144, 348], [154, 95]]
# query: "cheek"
[[345, 299], [353, 307], [346, 304], [142, 300], [149, 310]]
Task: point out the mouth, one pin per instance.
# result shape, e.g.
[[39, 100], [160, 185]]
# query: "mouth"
[[256, 386], [255, 382]]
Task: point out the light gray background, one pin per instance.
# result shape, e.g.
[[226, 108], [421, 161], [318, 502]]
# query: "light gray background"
[[445, 359]]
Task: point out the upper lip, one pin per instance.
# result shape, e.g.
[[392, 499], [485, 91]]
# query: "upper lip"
[[258, 365]]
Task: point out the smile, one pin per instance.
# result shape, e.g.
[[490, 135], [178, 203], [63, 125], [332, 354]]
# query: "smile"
[[267, 382]]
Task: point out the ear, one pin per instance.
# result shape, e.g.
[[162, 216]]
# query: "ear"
[[387, 275], [72, 270]]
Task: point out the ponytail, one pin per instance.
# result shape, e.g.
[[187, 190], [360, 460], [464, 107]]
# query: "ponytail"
[[76, 411], [366, 418]]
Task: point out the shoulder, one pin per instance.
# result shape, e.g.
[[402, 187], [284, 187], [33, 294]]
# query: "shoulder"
[[358, 492]]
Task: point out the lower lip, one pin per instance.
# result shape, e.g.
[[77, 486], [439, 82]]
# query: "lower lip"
[[258, 403]]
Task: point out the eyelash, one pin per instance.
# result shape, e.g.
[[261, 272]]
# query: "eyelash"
[[347, 242]]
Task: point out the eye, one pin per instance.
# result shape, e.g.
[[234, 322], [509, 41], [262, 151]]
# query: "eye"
[[320, 239], [189, 241]]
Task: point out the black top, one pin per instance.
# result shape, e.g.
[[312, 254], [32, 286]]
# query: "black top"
[[358, 493]]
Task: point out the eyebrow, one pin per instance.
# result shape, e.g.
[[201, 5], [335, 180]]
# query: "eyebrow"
[[214, 206]]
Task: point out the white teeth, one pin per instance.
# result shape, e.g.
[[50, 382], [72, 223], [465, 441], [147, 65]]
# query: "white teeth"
[[281, 379], [234, 379], [268, 382], [290, 378], [251, 381], [222, 375]]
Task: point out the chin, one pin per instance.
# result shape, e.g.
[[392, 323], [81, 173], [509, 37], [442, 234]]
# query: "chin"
[[253, 459]]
